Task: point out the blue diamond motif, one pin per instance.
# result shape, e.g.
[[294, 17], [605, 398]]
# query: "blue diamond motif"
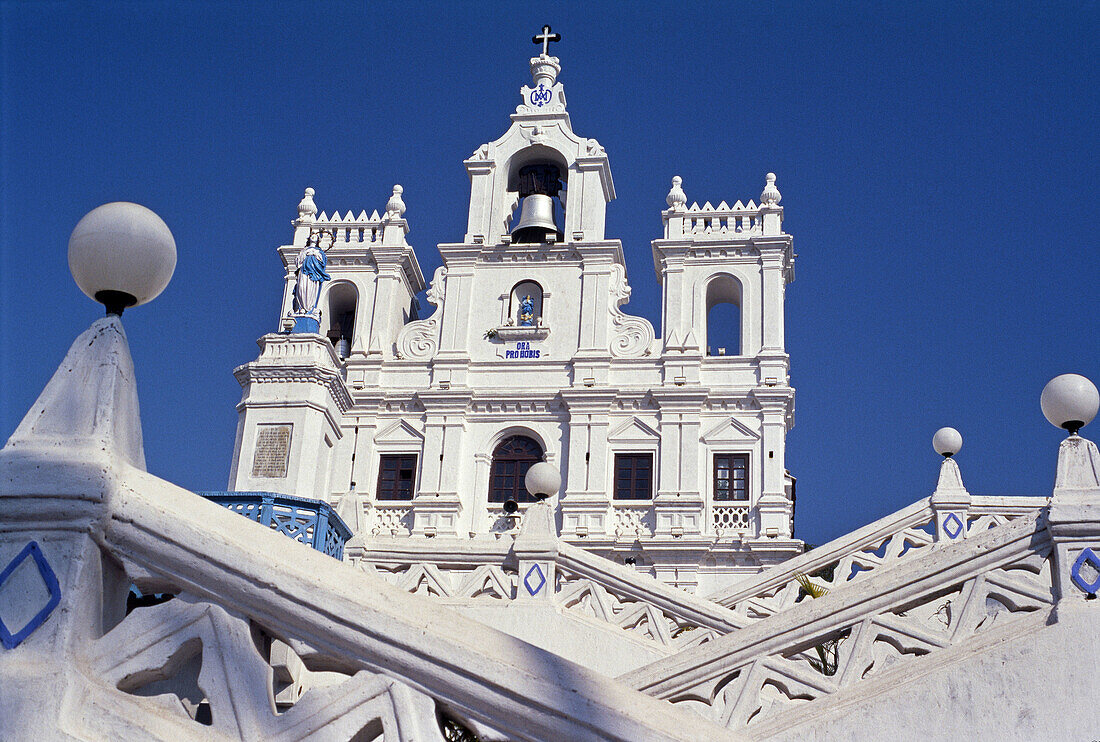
[[12, 639], [535, 571], [952, 526], [1088, 556]]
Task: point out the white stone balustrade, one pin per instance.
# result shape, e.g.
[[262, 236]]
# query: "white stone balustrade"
[[991, 586], [897, 536]]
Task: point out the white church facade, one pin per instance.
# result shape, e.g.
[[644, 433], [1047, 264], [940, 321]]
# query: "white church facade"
[[134, 609], [670, 446]]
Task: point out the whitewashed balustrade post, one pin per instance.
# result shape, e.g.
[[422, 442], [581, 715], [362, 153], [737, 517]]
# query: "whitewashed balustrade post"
[[536, 550], [1074, 522]]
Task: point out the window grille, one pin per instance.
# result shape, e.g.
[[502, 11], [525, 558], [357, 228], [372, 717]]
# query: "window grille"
[[633, 476], [396, 476], [511, 460], [731, 477]]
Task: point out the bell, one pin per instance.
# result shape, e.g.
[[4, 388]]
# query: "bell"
[[536, 219]]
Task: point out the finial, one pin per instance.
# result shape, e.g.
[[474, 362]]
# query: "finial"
[[771, 195], [306, 208], [545, 38], [395, 207], [122, 254], [1070, 401], [947, 442], [676, 198]]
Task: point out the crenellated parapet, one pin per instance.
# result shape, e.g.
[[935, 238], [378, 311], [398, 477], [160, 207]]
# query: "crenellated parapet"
[[722, 222]]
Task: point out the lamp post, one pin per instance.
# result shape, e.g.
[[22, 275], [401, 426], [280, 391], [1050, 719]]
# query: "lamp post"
[[950, 502], [1070, 401], [947, 442], [121, 254], [543, 480]]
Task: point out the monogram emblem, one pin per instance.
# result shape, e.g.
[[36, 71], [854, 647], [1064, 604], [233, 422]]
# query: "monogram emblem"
[[541, 96]]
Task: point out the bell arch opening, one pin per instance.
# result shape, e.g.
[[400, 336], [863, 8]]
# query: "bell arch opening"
[[723, 307], [338, 322], [538, 177]]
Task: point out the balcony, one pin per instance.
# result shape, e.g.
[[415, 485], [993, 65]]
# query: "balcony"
[[311, 522]]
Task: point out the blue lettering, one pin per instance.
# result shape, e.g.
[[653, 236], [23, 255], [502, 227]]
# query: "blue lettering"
[[537, 353]]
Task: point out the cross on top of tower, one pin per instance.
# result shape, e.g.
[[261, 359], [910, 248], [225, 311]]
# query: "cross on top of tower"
[[545, 38]]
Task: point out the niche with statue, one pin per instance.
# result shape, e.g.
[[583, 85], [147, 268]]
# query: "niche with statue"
[[523, 310]]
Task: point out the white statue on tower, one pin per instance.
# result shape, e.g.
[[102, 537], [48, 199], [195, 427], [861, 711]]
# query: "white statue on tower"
[[311, 274]]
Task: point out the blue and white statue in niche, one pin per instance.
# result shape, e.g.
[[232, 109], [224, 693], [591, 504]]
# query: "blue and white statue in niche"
[[310, 275], [527, 312]]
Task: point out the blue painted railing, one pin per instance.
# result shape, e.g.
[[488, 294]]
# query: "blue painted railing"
[[312, 522]]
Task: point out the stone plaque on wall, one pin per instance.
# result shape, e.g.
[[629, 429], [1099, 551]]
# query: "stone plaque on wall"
[[272, 451]]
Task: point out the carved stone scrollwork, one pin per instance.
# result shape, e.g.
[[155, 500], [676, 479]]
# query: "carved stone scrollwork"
[[419, 340], [632, 337]]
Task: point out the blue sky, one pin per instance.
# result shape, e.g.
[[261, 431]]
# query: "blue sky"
[[937, 163]]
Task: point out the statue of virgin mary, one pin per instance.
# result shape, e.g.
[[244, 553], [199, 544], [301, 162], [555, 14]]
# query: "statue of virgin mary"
[[311, 274]]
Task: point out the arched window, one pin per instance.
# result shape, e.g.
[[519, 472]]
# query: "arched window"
[[511, 460], [340, 318], [723, 316]]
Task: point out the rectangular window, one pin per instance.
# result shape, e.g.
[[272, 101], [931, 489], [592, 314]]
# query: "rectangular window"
[[731, 477], [633, 476], [396, 475]]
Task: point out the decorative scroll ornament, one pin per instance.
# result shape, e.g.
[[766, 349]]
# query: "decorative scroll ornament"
[[632, 336], [419, 340]]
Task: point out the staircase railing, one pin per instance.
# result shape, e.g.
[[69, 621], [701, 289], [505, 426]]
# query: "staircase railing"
[[896, 537], [943, 597], [460, 571]]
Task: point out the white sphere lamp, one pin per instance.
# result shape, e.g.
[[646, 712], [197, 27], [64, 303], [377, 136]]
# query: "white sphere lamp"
[[542, 480], [947, 442], [1070, 401], [122, 254]]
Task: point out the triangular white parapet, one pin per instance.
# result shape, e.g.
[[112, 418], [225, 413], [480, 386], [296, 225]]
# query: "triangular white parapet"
[[694, 206], [738, 206], [362, 216], [349, 217], [374, 216], [723, 206], [399, 432], [730, 430], [323, 217], [707, 207], [752, 206], [90, 402], [634, 431]]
